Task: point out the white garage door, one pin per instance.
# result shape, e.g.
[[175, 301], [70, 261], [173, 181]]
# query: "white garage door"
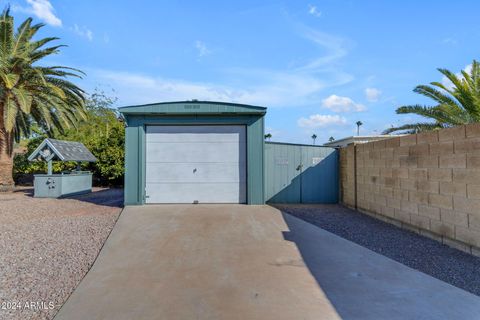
[[189, 164]]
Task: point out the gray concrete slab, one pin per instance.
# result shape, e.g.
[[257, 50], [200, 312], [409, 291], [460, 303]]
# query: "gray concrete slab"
[[250, 262]]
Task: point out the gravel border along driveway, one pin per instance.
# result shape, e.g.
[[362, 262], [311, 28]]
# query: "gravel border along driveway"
[[418, 252], [47, 246]]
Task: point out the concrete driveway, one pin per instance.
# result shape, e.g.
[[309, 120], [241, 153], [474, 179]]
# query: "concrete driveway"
[[250, 262]]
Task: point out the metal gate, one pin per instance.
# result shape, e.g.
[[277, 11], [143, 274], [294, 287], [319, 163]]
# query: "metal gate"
[[300, 173]]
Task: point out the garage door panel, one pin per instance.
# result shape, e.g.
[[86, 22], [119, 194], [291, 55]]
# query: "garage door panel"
[[195, 137], [185, 164], [192, 192], [196, 134], [196, 152], [196, 172]]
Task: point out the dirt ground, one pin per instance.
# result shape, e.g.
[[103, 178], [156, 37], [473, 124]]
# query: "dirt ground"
[[47, 246]]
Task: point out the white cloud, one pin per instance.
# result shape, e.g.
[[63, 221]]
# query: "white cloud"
[[321, 121], [202, 48], [335, 48], [267, 87], [372, 94], [342, 104], [258, 87], [83, 32], [295, 86], [449, 41], [43, 10], [273, 90], [447, 83], [313, 10]]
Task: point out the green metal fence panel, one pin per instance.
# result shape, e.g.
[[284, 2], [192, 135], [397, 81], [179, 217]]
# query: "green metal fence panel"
[[281, 174], [319, 177], [300, 173]]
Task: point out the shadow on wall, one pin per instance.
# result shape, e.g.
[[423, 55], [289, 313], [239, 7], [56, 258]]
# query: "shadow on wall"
[[316, 184], [361, 284]]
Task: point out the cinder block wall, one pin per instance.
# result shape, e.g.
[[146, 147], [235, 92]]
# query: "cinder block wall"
[[428, 183]]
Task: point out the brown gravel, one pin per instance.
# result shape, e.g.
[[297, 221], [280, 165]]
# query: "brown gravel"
[[47, 246]]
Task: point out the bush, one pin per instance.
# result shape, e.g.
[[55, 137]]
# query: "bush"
[[103, 133]]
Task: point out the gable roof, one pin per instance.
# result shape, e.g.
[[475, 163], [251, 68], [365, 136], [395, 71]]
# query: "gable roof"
[[62, 150], [193, 107]]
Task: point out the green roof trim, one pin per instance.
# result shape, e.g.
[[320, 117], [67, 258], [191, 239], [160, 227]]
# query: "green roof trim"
[[192, 107]]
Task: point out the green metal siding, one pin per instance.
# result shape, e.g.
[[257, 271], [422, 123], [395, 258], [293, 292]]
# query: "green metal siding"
[[255, 149], [300, 173], [282, 183], [132, 143], [193, 107], [135, 150]]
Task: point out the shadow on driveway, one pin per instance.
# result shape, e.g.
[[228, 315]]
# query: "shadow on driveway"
[[362, 284], [416, 251]]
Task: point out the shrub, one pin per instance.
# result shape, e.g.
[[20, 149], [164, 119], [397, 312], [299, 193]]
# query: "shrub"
[[103, 133]]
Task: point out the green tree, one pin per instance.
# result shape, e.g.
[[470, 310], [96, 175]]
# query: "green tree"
[[268, 136], [314, 137], [30, 92], [331, 139], [102, 132], [455, 105]]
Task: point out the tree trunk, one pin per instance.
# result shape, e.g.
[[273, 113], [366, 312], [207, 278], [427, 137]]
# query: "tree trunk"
[[6, 156]]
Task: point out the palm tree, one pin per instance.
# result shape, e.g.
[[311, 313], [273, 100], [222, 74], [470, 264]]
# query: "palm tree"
[[268, 136], [314, 137], [455, 105], [358, 123], [31, 94]]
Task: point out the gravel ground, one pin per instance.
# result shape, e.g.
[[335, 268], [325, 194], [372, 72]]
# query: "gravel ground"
[[418, 252], [47, 246]]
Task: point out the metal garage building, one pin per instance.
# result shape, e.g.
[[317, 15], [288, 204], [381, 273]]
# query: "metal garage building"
[[194, 152], [214, 152]]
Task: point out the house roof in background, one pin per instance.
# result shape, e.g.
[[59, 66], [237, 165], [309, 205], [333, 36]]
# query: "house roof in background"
[[359, 139]]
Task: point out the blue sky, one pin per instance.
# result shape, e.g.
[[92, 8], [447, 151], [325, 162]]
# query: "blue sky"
[[319, 66]]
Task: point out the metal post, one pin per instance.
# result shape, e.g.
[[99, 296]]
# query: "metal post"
[[79, 168], [49, 167]]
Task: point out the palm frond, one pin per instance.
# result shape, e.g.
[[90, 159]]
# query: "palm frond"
[[424, 111], [455, 105], [435, 94], [31, 94], [414, 128]]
